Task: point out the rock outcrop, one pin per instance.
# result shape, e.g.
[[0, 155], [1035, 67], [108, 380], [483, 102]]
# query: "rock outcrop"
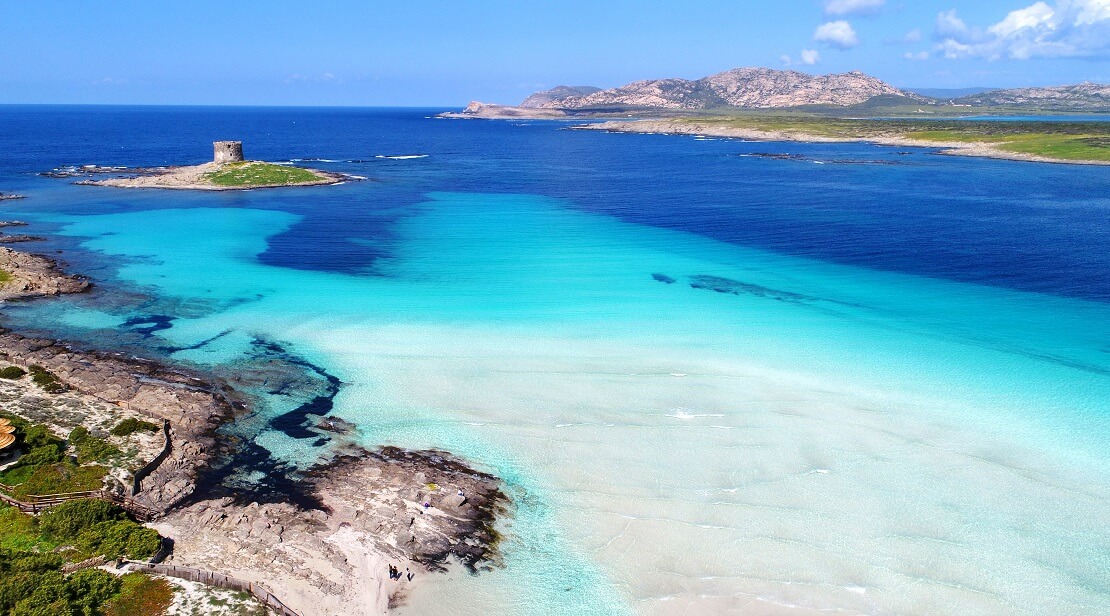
[[34, 275], [741, 87], [415, 510], [426, 506]]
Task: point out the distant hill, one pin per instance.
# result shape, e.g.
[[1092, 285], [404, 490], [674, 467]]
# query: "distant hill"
[[1081, 97], [947, 93], [757, 88], [539, 99]]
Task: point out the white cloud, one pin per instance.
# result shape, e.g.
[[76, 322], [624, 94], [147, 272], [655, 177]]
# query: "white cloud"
[[913, 36], [950, 26], [852, 7], [1028, 17], [837, 33], [1069, 28], [786, 60], [810, 56], [919, 56]]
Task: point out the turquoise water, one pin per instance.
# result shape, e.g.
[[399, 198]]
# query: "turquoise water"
[[687, 422], [532, 338]]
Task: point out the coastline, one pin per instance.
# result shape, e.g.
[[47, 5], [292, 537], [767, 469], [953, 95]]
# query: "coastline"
[[693, 128], [421, 511]]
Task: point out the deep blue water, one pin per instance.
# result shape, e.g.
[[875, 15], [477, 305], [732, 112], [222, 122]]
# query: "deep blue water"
[[1036, 227]]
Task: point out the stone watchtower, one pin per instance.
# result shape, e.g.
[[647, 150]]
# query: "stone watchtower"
[[227, 151]]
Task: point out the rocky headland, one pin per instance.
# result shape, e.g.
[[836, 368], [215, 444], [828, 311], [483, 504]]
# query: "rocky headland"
[[417, 511], [490, 111]]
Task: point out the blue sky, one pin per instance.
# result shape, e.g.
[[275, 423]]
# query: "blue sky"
[[437, 53]]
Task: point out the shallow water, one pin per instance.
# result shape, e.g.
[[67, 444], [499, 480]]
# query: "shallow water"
[[713, 383]]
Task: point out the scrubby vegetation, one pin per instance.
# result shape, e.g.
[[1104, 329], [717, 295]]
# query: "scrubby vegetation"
[[47, 380], [1062, 140], [61, 478], [141, 595], [44, 467], [18, 532], [31, 579], [33, 585], [97, 528], [260, 174], [131, 425], [12, 373], [90, 448]]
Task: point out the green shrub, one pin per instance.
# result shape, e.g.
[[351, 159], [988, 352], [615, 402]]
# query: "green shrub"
[[51, 593], [116, 538], [132, 425], [12, 373], [48, 597], [62, 478], [32, 583], [88, 589], [47, 380], [17, 474], [90, 448], [14, 588], [33, 563], [18, 532], [143, 542], [37, 435], [68, 520], [41, 455]]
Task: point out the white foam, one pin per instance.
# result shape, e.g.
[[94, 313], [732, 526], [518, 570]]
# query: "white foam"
[[680, 414], [402, 156]]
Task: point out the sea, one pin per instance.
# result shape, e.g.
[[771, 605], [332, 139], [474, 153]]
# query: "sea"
[[716, 376]]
